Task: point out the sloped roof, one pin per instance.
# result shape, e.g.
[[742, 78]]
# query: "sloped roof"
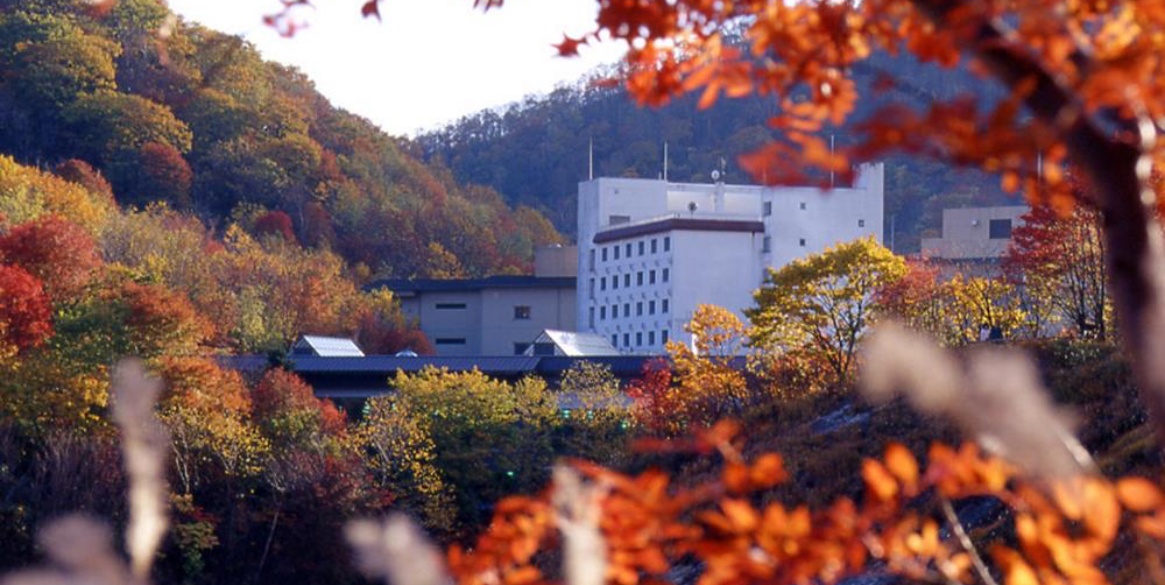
[[576, 344], [321, 346]]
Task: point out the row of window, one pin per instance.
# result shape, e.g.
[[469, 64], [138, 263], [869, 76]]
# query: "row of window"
[[639, 338], [643, 247], [521, 312], [650, 306], [665, 276]]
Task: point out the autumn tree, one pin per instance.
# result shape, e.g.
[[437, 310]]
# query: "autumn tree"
[[59, 252], [1058, 259], [708, 378], [595, 414], [824, 303], [25, 311]]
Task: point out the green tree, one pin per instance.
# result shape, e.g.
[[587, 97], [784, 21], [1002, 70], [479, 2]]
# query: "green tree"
[[825, 302]]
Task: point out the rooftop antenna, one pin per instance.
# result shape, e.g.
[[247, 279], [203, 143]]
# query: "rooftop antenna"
[[591, 160], [665, 160], [831, 161]]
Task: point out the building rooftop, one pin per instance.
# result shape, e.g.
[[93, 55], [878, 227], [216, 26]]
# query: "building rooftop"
[[572, 344], [675, 223], [322, 346], [420, 285]]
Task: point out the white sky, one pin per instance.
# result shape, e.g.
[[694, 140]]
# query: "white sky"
[[429, 62]]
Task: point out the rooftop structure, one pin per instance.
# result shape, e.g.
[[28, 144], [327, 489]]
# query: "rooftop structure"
[[570, 343], [320, 346], [975, 233]]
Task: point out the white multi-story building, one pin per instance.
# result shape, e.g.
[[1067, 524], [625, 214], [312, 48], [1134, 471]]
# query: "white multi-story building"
[[651, 251]]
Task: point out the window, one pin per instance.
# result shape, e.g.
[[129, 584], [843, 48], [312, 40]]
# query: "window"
[[639, 309], [999, 229], [767, 245], [663, 306], [449, 341], [523, 311], [767, 208], [614, 311], [618, 219], [591, 285], [663, 336], [651, 277], [520, 348], [641, 245], [802, 205], [543, 348], [802, 241], [861, 223], [666, 274], [639, 338], [650, 338], [614, 340], [616, 252], [639, 278], [667, 243], [654, 248], [627, 280], [603, 313], [603, 283], [450, 306], [626, 340], [591, 317], [650, 307], [626, 309], [591, 259], [628, 249], [604, 254]]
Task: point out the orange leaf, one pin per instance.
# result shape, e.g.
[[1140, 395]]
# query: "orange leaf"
[[1138, 494], [767, 471], [711, 93], [735, 477], [522, 576], [879, 481], [902, 464], [1104, 513]]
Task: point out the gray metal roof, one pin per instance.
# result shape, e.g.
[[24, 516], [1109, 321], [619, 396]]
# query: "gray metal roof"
[[389, 364], [575, 344]]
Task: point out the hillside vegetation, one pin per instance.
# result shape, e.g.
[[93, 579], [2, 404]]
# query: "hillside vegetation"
[[171, 112]]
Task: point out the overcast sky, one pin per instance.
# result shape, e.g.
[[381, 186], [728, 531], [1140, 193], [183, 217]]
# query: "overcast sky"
[[429, 62]]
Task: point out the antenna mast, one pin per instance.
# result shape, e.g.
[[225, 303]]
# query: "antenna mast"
[[591, 160]]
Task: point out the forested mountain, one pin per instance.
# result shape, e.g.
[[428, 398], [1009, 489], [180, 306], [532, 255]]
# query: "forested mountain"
[[535, 151], [171, 112]]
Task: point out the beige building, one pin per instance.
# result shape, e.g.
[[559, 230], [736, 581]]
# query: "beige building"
[[496, 315], [975, 233]]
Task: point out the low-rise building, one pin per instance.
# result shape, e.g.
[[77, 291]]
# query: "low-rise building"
[[495, 315], [975, 233]]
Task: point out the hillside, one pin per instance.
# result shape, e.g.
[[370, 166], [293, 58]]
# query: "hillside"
[[171, 112], [534, 152]]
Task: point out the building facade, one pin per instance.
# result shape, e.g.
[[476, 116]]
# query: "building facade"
[[496, 315], [651, 251], [975, 233]]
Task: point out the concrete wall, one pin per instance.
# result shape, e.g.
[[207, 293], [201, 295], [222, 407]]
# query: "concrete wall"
[[445, 324], [556, 261], [966, 233], [500, 329]]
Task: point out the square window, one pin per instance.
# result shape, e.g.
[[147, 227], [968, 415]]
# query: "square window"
[[641, 245], [626, 309], [603, 283], [654, 248], [603, 313], [663, 306], [650, 338], [615, 281], [523, 311], [626, 340], [666, 274], [802, 241], [767, 245], [767, 209], [615, 340], [651, 277], [628, 249], [638, 279], [663, 336], [618, 219], [616, 252], [802, 205], [639, 338], [650, 307], [627, 280], [667, 243], [861, 223], [520, 348], [604, 254], [614, 311], [999, 229], [639, 309]]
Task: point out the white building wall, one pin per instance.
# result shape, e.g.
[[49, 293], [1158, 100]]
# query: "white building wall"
[[722, 268]]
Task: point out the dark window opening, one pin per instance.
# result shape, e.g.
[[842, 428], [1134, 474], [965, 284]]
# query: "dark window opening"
[[999, 229]]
